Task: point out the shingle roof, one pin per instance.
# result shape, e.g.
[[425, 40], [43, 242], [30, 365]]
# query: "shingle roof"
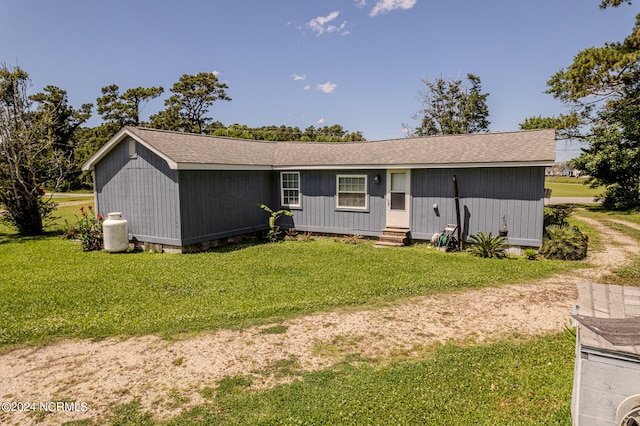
[[183, 150], [610, 317], [202, 149]]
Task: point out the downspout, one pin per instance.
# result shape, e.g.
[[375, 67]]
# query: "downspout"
[[457, 201]]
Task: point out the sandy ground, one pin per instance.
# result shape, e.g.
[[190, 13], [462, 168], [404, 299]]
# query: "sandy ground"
[[167, 375]]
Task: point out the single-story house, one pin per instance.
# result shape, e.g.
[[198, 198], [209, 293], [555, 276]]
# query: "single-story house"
[[606, 383], [182, 191]]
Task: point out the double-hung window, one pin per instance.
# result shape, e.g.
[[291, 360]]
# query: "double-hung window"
[[290, 189], [352, 192]]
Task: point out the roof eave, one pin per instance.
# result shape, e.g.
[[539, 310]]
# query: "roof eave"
[[216, 166], [539, 163]]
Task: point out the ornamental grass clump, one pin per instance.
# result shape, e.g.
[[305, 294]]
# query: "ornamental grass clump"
[[564, 243], [486, 245], [87, 230]]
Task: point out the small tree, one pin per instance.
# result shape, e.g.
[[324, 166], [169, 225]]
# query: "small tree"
[[273, 234], [124, 109], [450, 107], [193, 96], [34, 148]]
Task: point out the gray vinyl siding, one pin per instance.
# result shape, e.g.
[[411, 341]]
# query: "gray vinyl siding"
[[318, 211], [144, 189], [486, 195], [187, 207], [604, 381], [219, 204]]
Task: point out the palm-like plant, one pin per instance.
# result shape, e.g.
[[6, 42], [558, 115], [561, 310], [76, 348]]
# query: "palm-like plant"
[[273, 234], [564, 243], [487, 245]]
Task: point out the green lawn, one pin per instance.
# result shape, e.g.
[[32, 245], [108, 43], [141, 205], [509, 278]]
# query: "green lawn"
[[507, 383], [629, 216], [570, 187], [51, 289]]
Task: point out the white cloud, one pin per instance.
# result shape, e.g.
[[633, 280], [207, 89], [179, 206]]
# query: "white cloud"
[[384, 6], [215, 72], [307, 87], [360, 3], [320, 121], [327, 87], [324, 24], [298, 77]]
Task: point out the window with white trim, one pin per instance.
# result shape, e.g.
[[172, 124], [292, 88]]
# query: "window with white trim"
[[351, 191], [290, 189]]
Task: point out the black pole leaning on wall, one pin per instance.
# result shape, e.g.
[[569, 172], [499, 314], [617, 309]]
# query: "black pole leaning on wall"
[[457, 201]]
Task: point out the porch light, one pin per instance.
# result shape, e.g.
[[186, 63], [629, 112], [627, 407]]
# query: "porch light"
[[376, 178]]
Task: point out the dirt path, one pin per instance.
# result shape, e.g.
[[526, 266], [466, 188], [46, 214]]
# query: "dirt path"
[[167, 375]]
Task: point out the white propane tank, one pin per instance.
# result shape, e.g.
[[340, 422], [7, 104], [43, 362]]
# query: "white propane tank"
[[116, 233]]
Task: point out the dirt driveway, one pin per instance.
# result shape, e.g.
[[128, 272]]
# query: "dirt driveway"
[[160, 372]]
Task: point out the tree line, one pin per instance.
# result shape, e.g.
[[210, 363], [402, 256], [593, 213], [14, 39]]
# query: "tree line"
[[186, 110], [43, 143]]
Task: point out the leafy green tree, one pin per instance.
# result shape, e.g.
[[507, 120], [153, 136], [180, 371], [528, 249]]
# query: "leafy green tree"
[[602, 87], [613, 3], [333, 133], [63, 123], [565, 125], [193, 96], [35, 149], [613, 157], [450, 107], [598, 75], [309, 134], [125, 109]]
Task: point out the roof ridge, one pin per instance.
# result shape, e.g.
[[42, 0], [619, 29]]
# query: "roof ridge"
[[188, 134]]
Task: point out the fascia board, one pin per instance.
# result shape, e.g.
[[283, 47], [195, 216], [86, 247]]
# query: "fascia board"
[[547, 163], [91, 162], [211, 166], [119, 137]]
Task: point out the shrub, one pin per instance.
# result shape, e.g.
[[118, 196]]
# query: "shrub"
[[618, 197], [88, 230], [487, 245], [564, 243], [557, 215], [530, 253]]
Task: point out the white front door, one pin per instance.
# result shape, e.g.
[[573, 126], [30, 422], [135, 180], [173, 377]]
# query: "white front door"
[[398, 198]]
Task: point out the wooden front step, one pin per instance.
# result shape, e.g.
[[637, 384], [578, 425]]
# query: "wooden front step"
[[394, 237]]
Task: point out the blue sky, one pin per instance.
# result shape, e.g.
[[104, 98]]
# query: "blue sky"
[[358, 63]]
